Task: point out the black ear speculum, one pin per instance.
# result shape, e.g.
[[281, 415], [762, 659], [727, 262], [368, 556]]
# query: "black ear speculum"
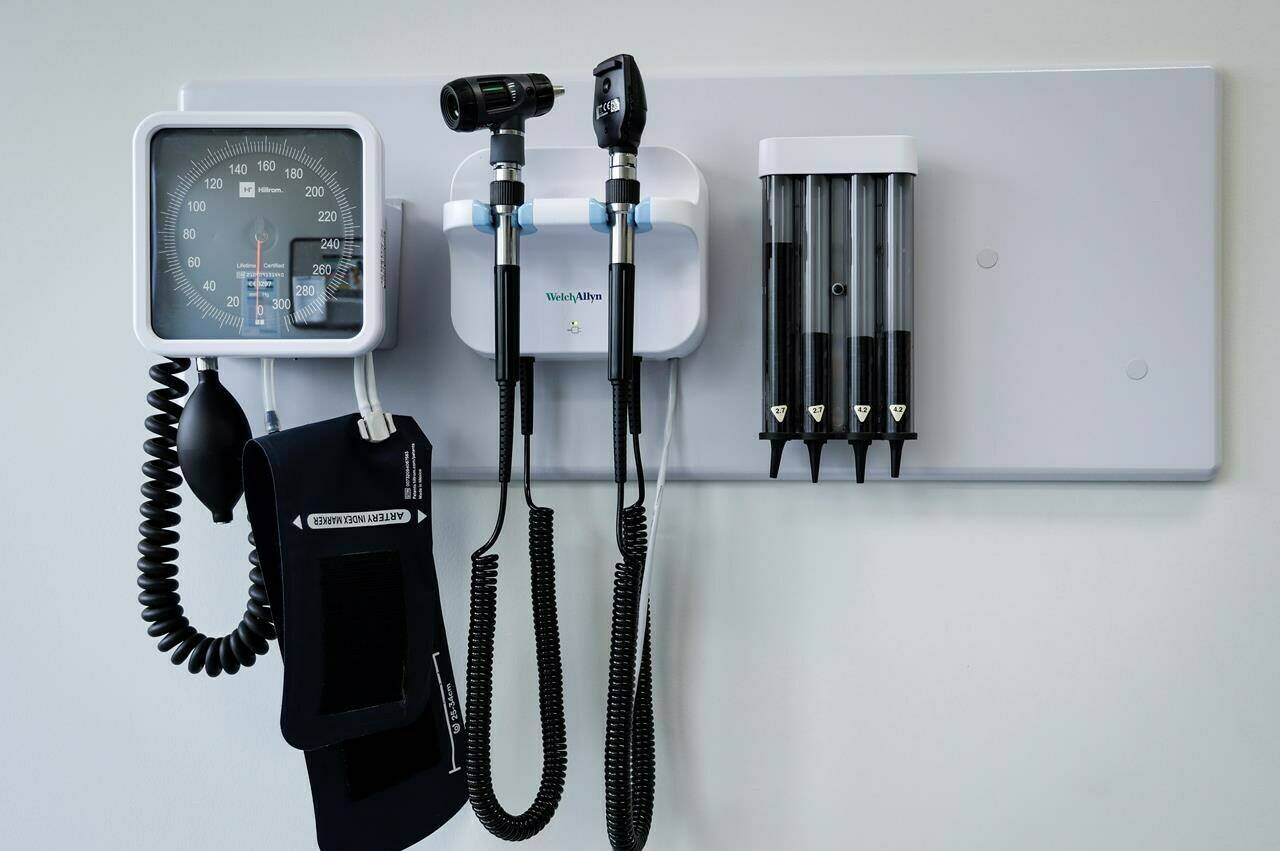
[[620, 107]]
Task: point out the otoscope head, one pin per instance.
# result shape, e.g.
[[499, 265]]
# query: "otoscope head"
[[620, 106], [496, 101]]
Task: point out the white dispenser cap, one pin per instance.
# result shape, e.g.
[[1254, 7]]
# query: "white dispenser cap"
[[838, 155]]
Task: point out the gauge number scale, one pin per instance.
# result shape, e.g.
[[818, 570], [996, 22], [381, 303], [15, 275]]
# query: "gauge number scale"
[[256, 233]]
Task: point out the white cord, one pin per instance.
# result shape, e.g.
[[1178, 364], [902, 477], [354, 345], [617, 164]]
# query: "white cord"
[[375, 425], [673, 386], [362, 387], [372, 380], [269, 395]]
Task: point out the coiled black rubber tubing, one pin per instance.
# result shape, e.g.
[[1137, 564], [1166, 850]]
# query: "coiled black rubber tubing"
[[158, 568], [480, 638], [629, 750]]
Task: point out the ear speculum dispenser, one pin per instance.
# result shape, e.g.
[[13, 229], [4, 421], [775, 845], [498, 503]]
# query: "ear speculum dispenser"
[[838, 281]]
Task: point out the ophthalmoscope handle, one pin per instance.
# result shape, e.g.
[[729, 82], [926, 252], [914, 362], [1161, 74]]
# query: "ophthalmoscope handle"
[[622, 308]]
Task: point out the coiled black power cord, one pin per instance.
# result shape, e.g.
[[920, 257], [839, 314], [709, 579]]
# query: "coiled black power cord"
[[158, 569], [546, 630], [629, 751]]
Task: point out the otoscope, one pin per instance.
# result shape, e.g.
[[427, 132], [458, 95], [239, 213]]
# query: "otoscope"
[[619, 116], [503, 103]]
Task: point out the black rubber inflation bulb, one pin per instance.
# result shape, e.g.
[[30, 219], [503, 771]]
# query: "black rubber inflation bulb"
[[212, 433]]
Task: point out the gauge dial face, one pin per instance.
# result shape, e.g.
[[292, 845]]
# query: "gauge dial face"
[[256, 234]]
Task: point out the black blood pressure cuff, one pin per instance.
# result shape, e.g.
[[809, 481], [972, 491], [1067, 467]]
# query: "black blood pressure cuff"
[[342, 528], [387, 791]]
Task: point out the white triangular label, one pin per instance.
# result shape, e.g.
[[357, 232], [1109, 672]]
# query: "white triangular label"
[[779, 412], [422, 515], [816, 411], [297, 521], [862, 412], [898, 411]]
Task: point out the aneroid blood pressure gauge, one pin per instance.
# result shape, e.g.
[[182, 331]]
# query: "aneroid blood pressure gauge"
[[258, 234]]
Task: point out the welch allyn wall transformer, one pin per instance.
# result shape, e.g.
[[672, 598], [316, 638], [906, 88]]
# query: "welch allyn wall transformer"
[[839, 277]]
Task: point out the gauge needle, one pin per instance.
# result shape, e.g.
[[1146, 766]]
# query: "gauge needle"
[[257, 283]]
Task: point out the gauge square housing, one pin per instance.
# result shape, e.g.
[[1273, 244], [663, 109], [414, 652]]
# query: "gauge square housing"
[[258, 234]]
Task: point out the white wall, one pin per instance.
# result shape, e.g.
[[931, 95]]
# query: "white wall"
[[999, 667]]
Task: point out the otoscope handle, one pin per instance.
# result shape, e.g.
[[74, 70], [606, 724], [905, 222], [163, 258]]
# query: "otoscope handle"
[[506, 323], [622, 302], [622, 305]]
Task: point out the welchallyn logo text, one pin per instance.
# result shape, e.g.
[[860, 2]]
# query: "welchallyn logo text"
[[575, 297]]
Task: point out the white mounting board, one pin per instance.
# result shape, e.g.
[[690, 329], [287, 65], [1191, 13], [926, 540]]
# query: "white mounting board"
[[1097, 189]]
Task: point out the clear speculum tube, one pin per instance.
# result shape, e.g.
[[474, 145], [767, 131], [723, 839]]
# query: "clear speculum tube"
[[841, 241], [781, 414], [815, 326], [860, 373], [897, 315]]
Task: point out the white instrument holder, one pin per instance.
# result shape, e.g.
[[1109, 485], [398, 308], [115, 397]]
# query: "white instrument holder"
[[564, 251]]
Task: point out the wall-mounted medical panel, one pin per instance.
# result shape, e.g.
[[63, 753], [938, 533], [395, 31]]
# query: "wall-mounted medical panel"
[[1065, 269]]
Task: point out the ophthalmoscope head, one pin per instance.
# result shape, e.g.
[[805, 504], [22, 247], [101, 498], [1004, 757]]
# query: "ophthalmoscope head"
[[620, 107]]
